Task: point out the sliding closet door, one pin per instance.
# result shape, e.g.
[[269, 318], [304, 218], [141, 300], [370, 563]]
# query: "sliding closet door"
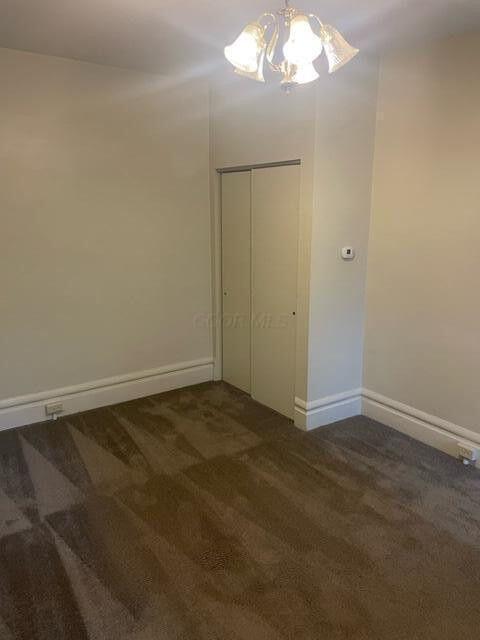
[[236, 276], [275, 202]]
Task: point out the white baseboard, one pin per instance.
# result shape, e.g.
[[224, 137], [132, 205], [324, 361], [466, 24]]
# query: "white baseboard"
[[16, 412], [434, 431], [431, 430], [318, 413]]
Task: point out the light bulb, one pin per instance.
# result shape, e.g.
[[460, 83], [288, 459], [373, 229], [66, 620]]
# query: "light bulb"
[[303, 45], [246, 52]]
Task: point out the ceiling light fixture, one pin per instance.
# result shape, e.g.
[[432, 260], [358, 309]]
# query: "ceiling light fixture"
[[302, 46]]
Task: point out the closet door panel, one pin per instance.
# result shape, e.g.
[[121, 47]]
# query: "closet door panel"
[[236, 276], [275, 201]]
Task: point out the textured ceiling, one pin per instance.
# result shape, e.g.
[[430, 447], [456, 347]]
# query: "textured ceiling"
[[167, 35]]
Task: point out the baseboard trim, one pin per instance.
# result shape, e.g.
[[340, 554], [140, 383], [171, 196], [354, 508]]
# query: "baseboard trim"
[[327, 410], [427, 428], [23, 410]]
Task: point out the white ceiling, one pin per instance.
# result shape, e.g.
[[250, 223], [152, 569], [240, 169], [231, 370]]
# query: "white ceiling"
[[166, 35]]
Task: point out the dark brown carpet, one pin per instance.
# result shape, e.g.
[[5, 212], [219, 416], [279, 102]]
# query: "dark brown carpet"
[[199, 514]]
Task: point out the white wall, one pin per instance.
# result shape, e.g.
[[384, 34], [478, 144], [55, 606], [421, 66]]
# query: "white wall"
[[422, 334], [105, 223], [344, 145]]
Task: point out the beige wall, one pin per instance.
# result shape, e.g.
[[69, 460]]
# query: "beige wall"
[[422, 332], [105, 223], [344, 145]]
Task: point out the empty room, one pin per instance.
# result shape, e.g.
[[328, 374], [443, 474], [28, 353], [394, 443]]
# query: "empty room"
[[239, 326]]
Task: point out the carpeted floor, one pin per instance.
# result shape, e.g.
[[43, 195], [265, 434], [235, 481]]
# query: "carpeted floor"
[[199, 514]]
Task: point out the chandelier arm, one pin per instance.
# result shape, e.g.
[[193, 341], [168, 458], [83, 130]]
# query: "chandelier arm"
[[274, 67], [272, 44], [314, 17], [267, 15]]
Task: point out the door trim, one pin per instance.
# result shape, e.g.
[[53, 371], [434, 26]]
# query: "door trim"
[[264, 165], [216, 235]]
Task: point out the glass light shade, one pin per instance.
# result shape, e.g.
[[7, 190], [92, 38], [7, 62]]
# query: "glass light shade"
[[337, 49], [305, 74], [254, 75], [248, 49], [303, 45]]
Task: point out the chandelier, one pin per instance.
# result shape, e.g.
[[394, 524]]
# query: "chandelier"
[[258, 42]]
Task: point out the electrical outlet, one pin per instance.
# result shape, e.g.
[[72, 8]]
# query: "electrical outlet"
[[53, 408], [467, 453]]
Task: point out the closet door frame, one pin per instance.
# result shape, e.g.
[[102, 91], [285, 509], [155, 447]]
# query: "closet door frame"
[[217, 290], [236, 227]]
